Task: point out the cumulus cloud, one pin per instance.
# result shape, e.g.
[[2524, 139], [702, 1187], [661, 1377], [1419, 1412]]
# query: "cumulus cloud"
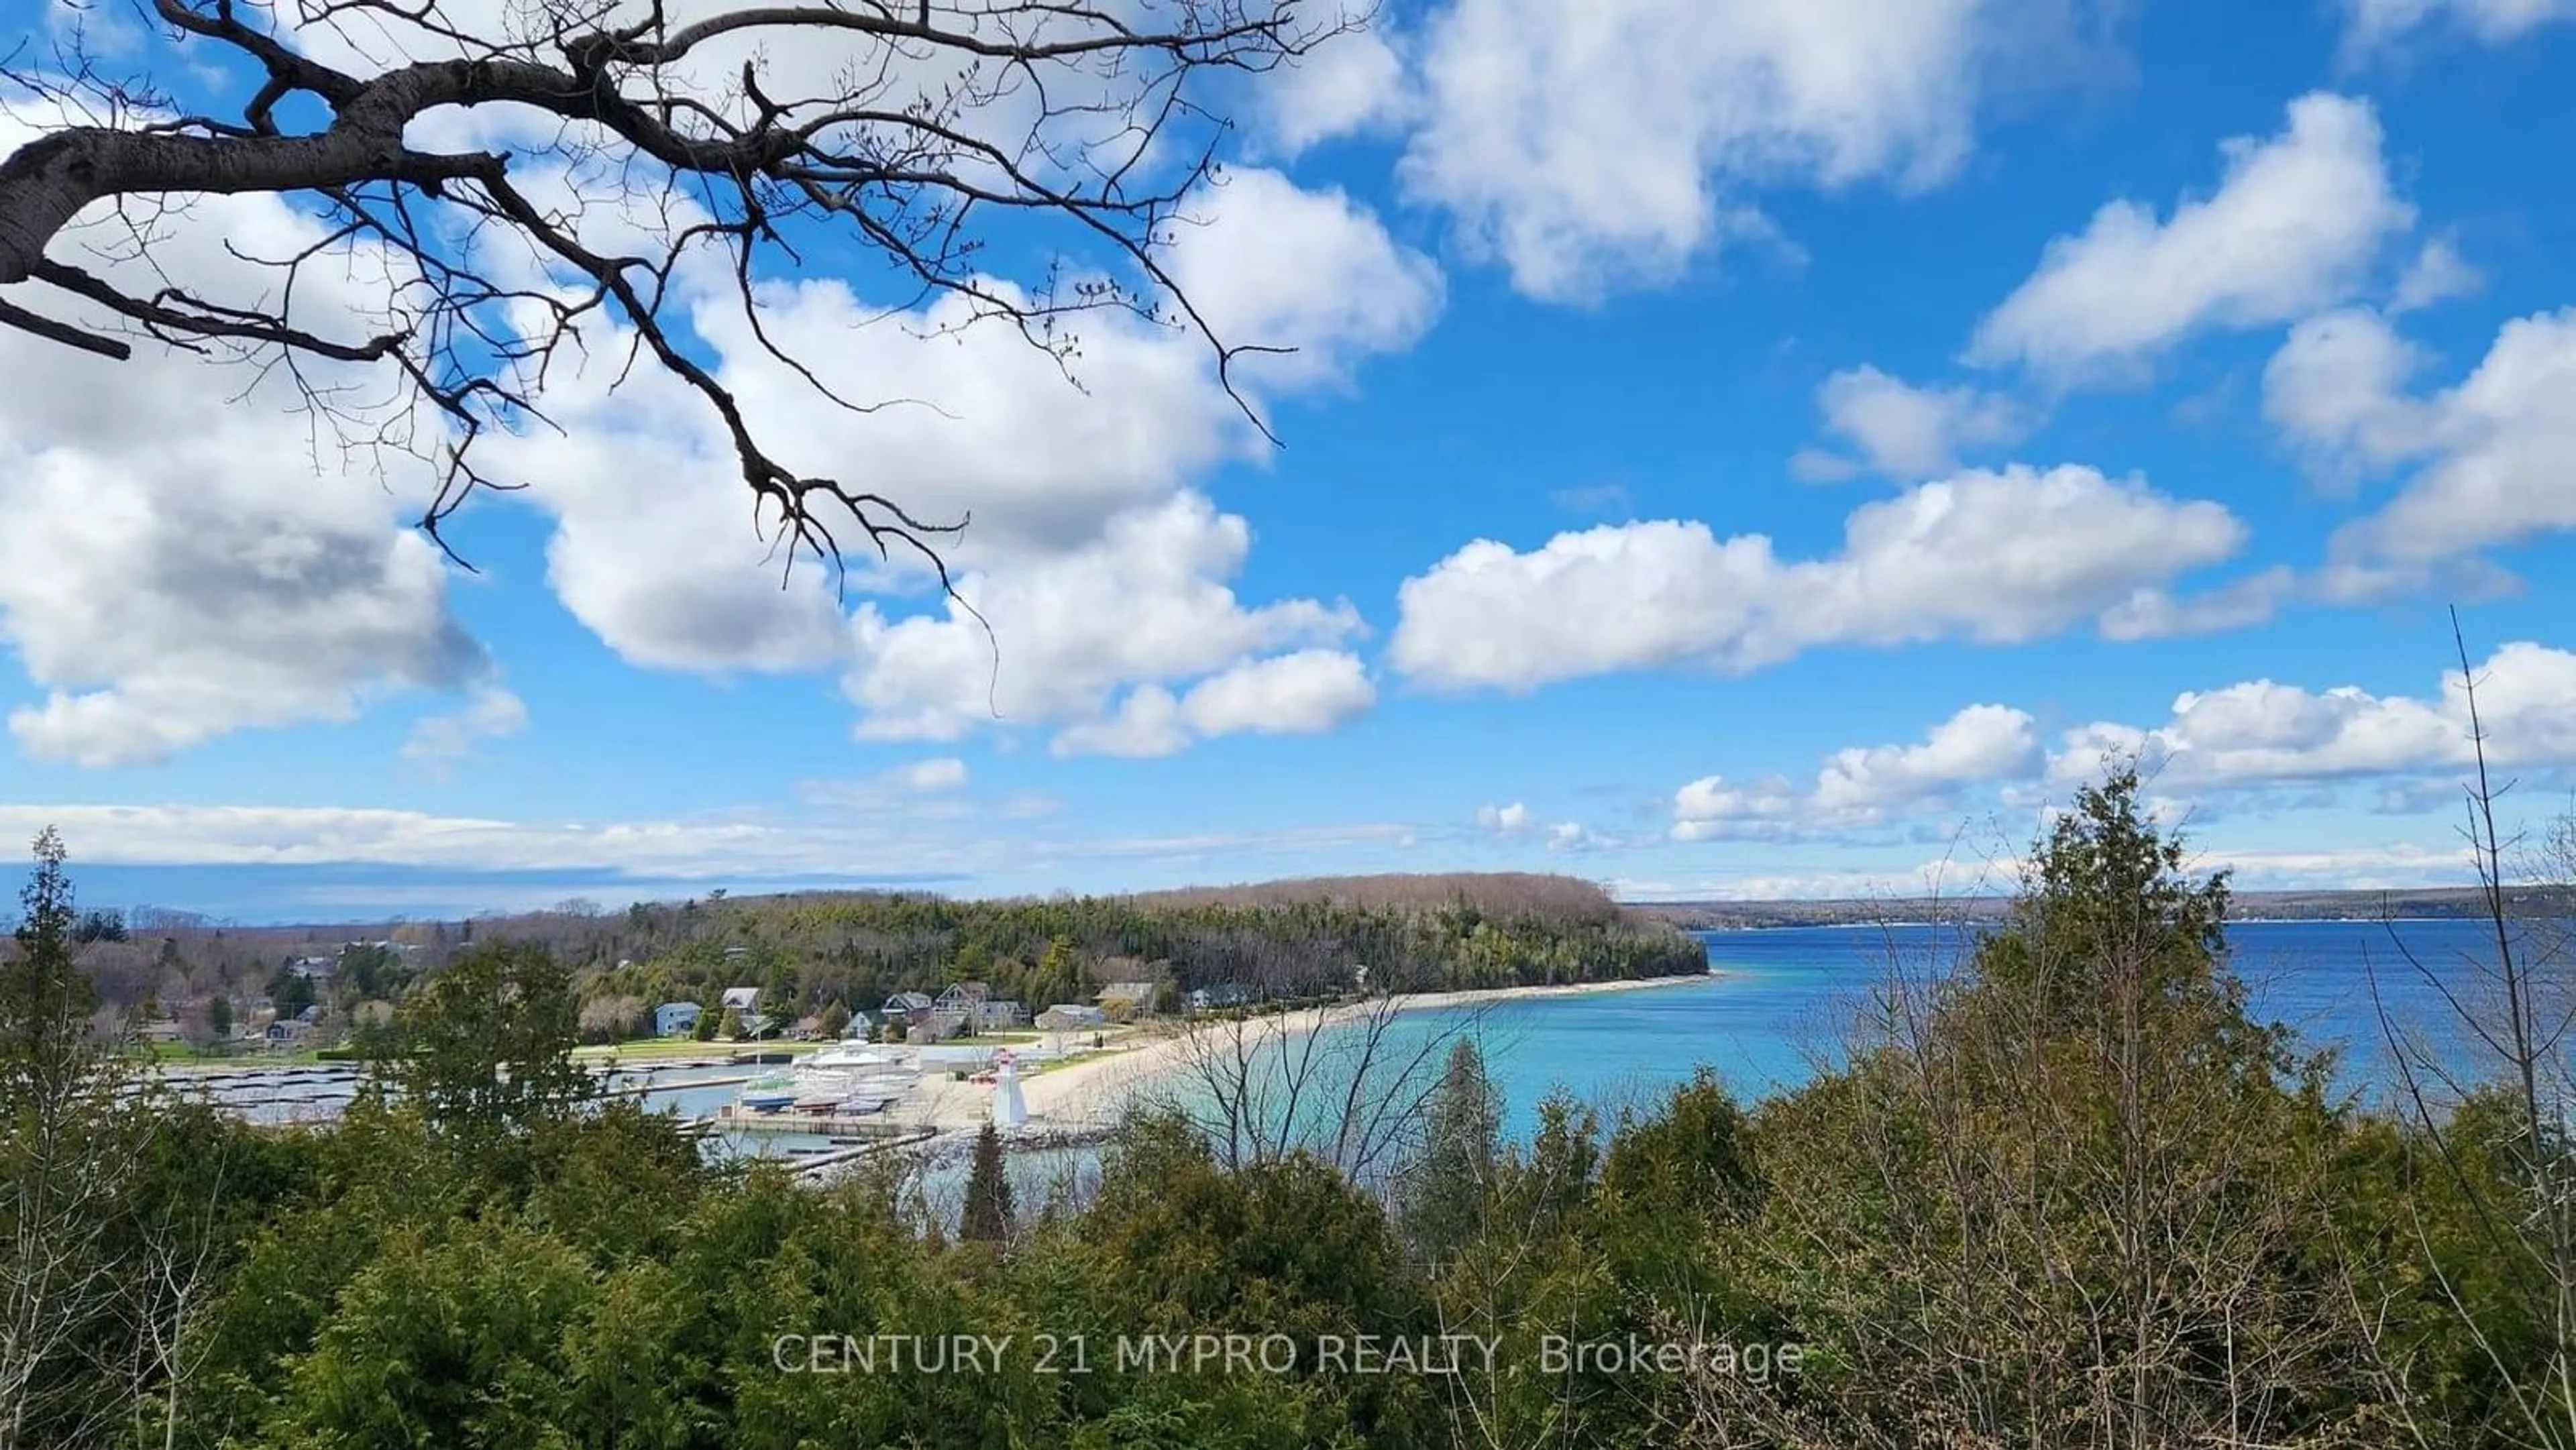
[[1863, 786], [1998, 557], [1507, 820], [1099, 568], [2263, 733], [1146, 603], [1592, 144], [2297, 223], [1354, 84], [188, 553], [1271, 264], [2488, 454], [1304, 693], [1980, 743], [1910, 433]]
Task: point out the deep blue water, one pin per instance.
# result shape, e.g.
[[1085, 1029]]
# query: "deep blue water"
[[1785, 998]]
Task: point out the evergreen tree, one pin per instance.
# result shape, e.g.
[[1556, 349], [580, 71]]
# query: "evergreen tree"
[[988, 1192], [67, 1156], [1450, 1184], [487, 1044]]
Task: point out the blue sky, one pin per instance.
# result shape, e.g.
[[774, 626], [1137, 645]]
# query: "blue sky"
[[1732, 450]]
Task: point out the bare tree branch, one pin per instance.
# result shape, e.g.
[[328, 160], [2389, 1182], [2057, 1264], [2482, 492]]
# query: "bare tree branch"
[[947, 116]]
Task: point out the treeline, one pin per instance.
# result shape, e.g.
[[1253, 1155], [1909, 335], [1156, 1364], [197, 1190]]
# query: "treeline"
[[2066, 1194], [808, 952], [811, 951]]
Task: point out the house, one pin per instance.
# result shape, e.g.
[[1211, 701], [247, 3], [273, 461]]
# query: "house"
[[1222, 994], [936, 1025], [287, 1031], [742, 999], [998, 1014], [676, 1019], [160, 1029], [1072, 1017], [314, 969], [1121, 1000], [908, 1007]]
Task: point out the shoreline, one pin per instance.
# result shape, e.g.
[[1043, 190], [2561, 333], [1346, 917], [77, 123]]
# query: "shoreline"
[[1096, 1088]]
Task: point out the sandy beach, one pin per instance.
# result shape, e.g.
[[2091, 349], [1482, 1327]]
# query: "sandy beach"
[[1096, 1087]]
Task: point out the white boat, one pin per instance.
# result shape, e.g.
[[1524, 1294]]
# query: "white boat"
[[854, 1053]]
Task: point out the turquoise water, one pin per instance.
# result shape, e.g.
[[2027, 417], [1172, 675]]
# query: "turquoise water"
[[1785, 997]]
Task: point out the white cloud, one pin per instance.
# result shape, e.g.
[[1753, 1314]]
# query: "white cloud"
[[2374, 23], [187, 552], [2437, 274], [1305, 693], [1506, 820], [490, 713], [1147, 723], [1143, 604], [2158, 613], [2489, 453], [1591, 144], [2395, 866], [884, 837], [1991, 556], [1354, 84], [1714, 808], [2296, 225], [1098, 567], [1865, 786], [1910, 433], [2262, 733], [1981, 743], [2334, 389], [1270, 264], [1571, 837], [926, 777]]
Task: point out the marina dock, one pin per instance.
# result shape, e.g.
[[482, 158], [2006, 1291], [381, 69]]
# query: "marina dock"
[[735, 1118]]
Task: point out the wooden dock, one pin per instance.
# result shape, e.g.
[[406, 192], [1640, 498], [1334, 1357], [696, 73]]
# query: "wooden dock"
[[735, 1118]]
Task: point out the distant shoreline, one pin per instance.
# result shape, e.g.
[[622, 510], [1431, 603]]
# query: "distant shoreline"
[[1747, 928]]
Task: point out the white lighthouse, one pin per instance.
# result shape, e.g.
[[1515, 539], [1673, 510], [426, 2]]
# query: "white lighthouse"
[[1009, 1111]]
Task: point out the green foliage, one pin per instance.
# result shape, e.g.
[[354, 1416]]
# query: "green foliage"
[[45, 1001], [2070, 1195], [988, 1192], [1450, 1184], [486, 1047]]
